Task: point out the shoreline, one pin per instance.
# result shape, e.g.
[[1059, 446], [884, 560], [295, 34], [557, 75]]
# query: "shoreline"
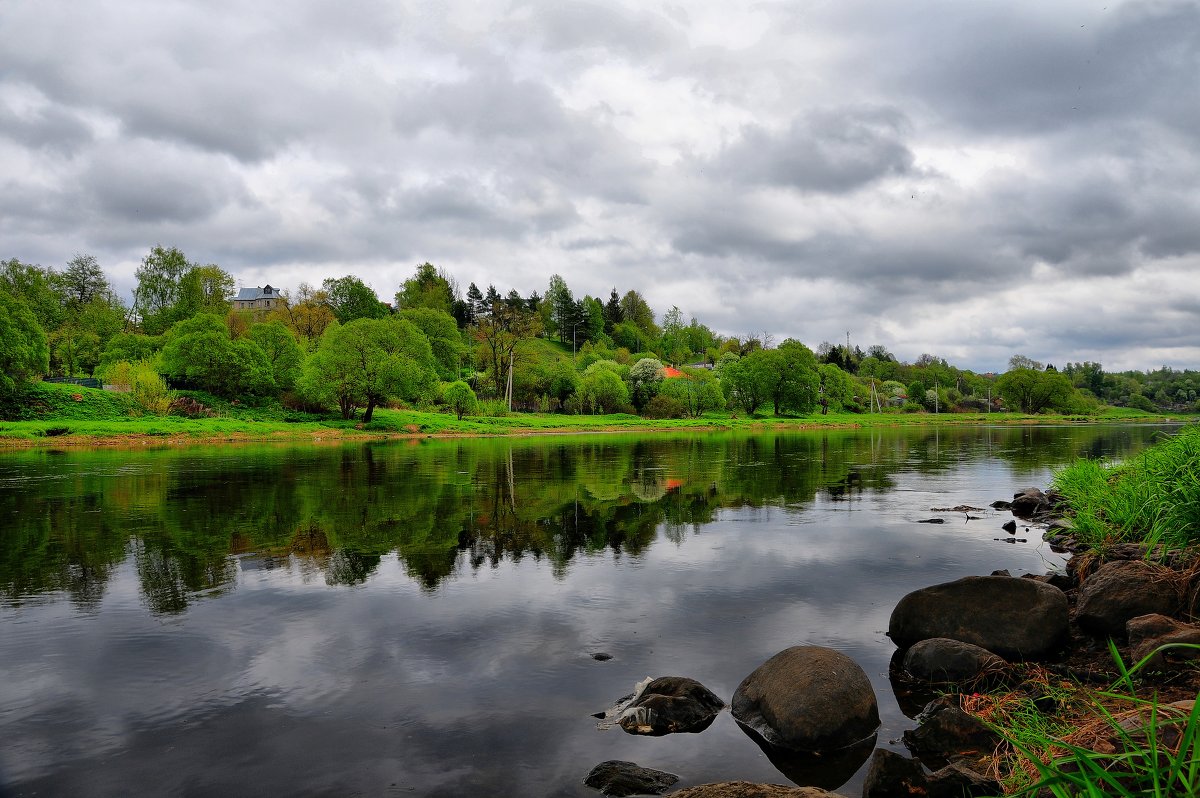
[[157, 431]]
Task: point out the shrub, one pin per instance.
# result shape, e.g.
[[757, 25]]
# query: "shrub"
[[145, 385], [461, 399], [664, 407]]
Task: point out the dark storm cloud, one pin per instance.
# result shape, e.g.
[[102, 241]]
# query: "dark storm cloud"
[[831, 150], [53, 128]]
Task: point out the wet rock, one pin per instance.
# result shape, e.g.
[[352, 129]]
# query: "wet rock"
[[1120, 591], [825, 769], [1009, 526], [1149, 632], [745, 789], [600, 656], [1029, 503], [1014, 618], [808, 698], [932, 521], [891, 775], [945, 731], [1000, 504], [1002, 572], [957, 781], [619, 778], [670, 704], [942, 660]]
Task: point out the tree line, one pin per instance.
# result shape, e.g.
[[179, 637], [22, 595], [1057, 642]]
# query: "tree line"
[[339, 348]]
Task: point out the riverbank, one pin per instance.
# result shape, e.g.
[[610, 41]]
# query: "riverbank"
[[245, 425]]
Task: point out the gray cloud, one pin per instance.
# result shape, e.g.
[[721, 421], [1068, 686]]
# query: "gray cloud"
[[803, 169]]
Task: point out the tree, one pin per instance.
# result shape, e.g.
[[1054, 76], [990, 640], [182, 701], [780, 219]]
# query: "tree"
[[349, 298], [158, 297], [368, 362], [282, 351], [82, 281], [475, 304], [34, 287], [1022, 362], [563, 313], [836, 387], [612, 312], [644, 378], [673, 343], [1032, 391], [747, 381], [205, 289], [461, 399], [307, 314], [636, 311], [498, 336], [601, 388], [444, 338], [697, 391], [429, 288], [128, 347], [791, 376], [24, 351], [199, 353]]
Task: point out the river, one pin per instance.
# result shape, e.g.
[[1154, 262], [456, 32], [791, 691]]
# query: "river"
[[421, 617]]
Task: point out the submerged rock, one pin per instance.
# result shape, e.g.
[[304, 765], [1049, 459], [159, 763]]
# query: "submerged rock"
[[1014, 618], [945, 731], [808, 698], [891, 775], [619, 778], [1120, 591], [670, 704]]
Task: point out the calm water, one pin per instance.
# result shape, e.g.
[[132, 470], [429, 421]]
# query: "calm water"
[[419, 618]]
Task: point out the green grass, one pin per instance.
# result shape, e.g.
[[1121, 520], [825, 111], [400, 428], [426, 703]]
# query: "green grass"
[[49, 411], [1153, 498]]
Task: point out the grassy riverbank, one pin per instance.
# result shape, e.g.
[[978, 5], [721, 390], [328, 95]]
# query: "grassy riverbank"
[[63, 415], [1140, 735]]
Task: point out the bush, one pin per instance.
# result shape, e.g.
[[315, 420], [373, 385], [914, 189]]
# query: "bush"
[[461, 399], [664, 407], [145, 385]]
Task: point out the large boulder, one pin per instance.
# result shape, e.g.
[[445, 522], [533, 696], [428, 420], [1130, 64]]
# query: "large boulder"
[[808, 698], [1015, 618], [745, 789], [1120, 591], [940, 660], [670, 704], [1029, 503], [1147, 633], [619, 778]]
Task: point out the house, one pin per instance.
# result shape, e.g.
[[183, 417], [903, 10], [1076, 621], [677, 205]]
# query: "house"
[[670, 373], [257, 298]]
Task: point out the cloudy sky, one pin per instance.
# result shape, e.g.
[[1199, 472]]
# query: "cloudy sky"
[[970, 179]]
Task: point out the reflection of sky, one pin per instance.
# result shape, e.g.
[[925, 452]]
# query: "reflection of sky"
[[484, 684]]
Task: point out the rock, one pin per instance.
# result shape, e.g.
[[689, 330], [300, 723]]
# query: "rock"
[[1000, 504], [600, 656], [891, 775], [618, 778], [1002, 572], [946, 731], [1120, 591], [956, 781], [808, 698], [670, 704], [1148, 632], [940, 660], [1009, 526], [1015, 618], [1029, 503], [745, 789], [932, 521]]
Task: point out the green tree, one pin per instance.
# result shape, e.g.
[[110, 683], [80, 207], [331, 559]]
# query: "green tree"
[[350, 298], [205, 289], [430, 287], [635, 310], [612, 312], [129, 347], [1032, 391], [444, 338], [499, 336], [563, 314], [747, 381], [698, 391], [24, 351], [159, 299], [601, 389], [368, 362], [34, 287], [461, 399], [82, 281], [199, 353], [644, 378], [283, 352], [836, 387], [791, 376]]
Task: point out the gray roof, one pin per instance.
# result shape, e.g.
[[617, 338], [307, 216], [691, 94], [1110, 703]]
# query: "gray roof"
[[258, 292]]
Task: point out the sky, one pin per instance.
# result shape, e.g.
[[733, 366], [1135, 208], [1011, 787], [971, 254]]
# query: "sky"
[[966, 179]]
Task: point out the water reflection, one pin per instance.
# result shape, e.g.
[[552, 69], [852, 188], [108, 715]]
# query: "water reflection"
[[442, 507]]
